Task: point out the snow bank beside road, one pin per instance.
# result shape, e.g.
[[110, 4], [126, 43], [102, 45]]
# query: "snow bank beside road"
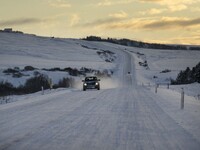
[[170, 99], [33, 97], [188, 118]]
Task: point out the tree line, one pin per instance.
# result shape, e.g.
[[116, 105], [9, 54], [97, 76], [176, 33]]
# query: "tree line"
[[188, 76], [133, 43]]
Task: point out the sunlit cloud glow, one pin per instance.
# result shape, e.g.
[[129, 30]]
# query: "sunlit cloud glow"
[[59, 4], [173, 5], [112, 2], [167, 23], [153, 11], [178, 7], [121, 14], [171, 2], [146, 20], [75, 18]]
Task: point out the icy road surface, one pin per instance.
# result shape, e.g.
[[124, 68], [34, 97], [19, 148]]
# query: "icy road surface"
[[123, 118]]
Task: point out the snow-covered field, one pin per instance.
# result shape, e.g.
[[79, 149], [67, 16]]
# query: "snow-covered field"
[[125, 114], [20, 50], [161, 60]]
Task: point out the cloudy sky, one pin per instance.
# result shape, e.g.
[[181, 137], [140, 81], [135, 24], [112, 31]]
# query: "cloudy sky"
[[160, 21]]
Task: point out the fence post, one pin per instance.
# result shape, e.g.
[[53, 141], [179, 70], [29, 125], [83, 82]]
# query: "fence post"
[[50, 83], [182, 98], [6, 100], [198, 96], [42, 88], [156, 88]]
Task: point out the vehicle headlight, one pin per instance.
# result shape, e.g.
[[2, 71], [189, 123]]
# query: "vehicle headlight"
[[97, 83], [85, 84]]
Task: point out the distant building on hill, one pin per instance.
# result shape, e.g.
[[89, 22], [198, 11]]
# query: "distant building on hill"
[[8, 30]]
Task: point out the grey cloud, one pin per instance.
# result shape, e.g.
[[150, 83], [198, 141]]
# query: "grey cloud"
[[172, 23], [20, 21], [155, 25], [101, 22]]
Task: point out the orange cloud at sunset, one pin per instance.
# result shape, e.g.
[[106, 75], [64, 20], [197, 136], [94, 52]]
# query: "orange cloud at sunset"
[[145, 20]]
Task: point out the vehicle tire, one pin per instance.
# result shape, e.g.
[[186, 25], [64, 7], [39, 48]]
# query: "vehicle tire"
[[84, 89]]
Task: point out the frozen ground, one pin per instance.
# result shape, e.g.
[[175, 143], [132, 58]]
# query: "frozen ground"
[[123, 115]]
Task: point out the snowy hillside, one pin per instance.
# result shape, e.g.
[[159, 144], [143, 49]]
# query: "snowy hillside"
[[164, 65], [20, 50]]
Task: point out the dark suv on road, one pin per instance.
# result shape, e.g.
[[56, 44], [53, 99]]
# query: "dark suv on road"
[[91, 83]]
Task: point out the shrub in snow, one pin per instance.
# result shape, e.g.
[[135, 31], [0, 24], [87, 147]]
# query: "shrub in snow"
[[17, 68], [6, 88], [84, 70], [107, 55], [34, 84], [53, 69], [140, 54], [144, 64], [155, 77], [29, 68], [73, 72], [10, 71], [36, 73], [65, 83], [103, 74], [165, 71], [17, 75]]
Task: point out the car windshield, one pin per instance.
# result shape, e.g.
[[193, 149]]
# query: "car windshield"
[[91, 79]]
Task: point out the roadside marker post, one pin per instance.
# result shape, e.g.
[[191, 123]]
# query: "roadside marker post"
[[182, 98], [156, 88], [198, 96], [42, 88], [50, 83]]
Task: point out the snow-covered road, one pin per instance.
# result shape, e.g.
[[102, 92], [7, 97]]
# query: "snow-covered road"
[[123, 118]]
